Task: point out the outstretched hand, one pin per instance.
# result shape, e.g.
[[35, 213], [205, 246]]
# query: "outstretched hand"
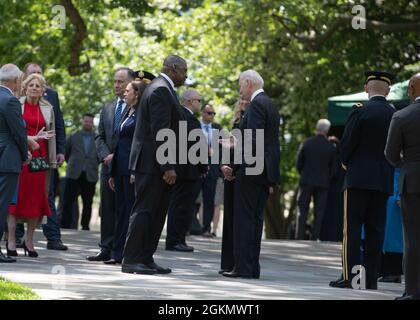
[[46, 135], [229, 143]]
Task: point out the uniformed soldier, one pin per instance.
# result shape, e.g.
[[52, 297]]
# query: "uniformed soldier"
[[368, 181]]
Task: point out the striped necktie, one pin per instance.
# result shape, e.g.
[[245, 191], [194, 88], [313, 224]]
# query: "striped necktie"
[[118, 114]]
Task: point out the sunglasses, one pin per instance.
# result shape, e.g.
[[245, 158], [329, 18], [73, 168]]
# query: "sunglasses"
[[211, 113]]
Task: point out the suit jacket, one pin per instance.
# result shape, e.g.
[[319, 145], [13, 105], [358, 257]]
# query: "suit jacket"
[[47, 111], [316, 162], [125, 135], [363, 145], [262, 114], [159, 109], [106, 138], [60, 135], [79, 161], [403, 146], [13, 139], [191, 171]]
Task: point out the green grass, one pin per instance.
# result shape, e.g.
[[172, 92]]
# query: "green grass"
[[13, 291]]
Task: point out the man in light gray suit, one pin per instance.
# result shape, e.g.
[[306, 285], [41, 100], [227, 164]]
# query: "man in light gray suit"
[[110, 118], [13, 143], [404, 139], [82, 172]]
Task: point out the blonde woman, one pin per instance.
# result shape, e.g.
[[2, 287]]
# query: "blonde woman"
[[32, 202]]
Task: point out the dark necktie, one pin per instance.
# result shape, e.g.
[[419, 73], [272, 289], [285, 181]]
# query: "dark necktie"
[[118, 114]]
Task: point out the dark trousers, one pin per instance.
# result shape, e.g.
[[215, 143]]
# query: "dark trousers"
[[181, 208], [208, 188], [368, 208], [87, 191], [124, 201], [228, 261], [8, 187], [147, 218], [107, 213], [52, 228], [250, 199], [410, 205], [320, 196]]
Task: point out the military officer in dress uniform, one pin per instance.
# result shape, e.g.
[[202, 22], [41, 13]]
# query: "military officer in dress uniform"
[[368, 181]]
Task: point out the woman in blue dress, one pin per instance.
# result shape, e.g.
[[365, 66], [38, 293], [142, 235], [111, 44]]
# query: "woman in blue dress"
[[393, 242], [121, 181]]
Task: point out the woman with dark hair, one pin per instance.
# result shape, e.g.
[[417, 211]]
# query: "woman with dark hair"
[[121, 181]]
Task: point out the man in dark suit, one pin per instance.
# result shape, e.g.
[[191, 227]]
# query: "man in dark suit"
[[254, 181], [368, 181], [403, 149], [159, 110], [52, 228], [187, 186], [13, 143], [109, 121], [209, 182], [316, 166], [82, 172]]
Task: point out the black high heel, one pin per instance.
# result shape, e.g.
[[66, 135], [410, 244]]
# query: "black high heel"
[[32, 254], [11, 253]]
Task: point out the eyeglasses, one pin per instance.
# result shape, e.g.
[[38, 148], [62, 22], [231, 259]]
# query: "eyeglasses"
[[211, 113]]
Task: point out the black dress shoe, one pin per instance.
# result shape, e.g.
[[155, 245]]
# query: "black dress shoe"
[[234, 274], [390, 279], [196, 232], [6, 259], [101, 256], [180, 247], [112, 261], [159, 269], [341, 283], [408, 297], [11, 253], [224, 270], [56, 245], [138, 268]]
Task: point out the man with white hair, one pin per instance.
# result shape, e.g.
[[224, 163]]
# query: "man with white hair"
[[316, 166], [187, 186], [251, 191], [13, 143], [368, 183]]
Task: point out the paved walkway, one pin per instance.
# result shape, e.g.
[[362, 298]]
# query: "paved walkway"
[[290, 270]]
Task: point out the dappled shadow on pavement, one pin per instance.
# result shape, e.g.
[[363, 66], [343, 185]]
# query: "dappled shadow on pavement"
[[289, 270]]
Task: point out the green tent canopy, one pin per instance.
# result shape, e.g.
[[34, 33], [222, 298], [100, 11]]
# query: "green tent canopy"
[[340, 106]]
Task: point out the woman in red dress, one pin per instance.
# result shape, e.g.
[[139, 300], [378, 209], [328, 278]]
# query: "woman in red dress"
[[32, 200]]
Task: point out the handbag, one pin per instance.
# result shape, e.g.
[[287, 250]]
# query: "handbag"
[[39, 163]]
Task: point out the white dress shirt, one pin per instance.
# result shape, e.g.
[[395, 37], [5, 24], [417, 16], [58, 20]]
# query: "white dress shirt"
[[256, 93], [169, 80]]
